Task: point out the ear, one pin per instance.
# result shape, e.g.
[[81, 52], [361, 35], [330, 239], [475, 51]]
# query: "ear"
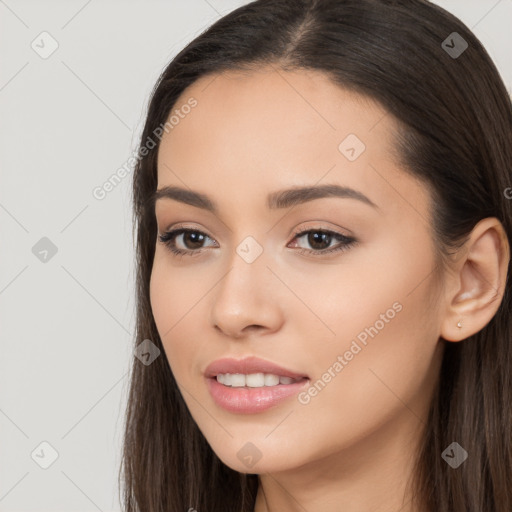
[[475, 289]]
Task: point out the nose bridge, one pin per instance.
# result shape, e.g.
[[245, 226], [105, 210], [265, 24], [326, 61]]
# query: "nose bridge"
[[242, 297], [247, 268]]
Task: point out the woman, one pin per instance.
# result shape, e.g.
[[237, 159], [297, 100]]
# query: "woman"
[[323, 259]]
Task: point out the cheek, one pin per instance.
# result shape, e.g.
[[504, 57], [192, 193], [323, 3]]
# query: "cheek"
[[382, 360], [176, 295], [166, 296], [388, 375], [173, 291]]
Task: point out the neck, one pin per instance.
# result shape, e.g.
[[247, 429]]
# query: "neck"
[[370, 475]]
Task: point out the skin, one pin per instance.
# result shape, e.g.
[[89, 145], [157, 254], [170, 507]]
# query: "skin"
[[352, 446]]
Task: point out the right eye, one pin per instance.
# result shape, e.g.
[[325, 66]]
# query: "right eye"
[[191, 239]]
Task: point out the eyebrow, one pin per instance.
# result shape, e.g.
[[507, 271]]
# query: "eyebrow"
[[275, 200]]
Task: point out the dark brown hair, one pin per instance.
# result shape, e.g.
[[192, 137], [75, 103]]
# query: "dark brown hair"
[[456, 136]]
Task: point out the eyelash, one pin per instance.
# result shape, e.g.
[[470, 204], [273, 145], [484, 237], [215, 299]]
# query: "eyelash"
[[168, 239]]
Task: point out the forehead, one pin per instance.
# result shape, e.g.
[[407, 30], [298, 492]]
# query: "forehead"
[[259, 105], [268, 129]]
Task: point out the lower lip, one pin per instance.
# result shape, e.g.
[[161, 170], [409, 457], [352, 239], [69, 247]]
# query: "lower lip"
[[252, 400]]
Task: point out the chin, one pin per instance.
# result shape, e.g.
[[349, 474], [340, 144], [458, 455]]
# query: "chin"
[[256, 457]]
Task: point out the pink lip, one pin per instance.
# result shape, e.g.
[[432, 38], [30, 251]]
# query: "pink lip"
[[244, 400]]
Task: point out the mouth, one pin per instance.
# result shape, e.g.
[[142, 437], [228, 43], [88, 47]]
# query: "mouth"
[[251, 385]]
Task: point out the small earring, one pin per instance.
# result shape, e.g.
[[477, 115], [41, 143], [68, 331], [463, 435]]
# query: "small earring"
[[459, 324]]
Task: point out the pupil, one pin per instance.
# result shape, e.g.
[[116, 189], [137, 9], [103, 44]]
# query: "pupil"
[[316, 237], [196, 238]]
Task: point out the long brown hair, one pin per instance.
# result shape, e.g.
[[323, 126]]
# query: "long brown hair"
[[456, 117]]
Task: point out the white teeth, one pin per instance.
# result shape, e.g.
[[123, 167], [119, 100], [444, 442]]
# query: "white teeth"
[[253, 380], [237, 380], [271, 380]]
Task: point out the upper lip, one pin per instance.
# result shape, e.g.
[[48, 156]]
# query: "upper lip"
[[249, 365]]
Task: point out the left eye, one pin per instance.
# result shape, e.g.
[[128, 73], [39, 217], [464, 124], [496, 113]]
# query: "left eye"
[[320, 240]]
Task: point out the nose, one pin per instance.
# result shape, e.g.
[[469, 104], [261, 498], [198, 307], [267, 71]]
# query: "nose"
[[247, 300]]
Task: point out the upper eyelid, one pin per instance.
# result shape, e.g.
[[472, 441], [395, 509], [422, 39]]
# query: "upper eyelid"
[[295, 231], [183, 225], [184, 229]]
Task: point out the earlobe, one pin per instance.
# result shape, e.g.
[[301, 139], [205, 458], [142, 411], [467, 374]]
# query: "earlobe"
[[478, 283]]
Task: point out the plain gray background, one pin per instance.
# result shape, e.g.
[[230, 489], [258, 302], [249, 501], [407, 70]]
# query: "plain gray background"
[[68, 122]]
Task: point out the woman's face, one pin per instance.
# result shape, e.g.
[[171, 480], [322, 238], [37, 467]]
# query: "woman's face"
[[349, 308]]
